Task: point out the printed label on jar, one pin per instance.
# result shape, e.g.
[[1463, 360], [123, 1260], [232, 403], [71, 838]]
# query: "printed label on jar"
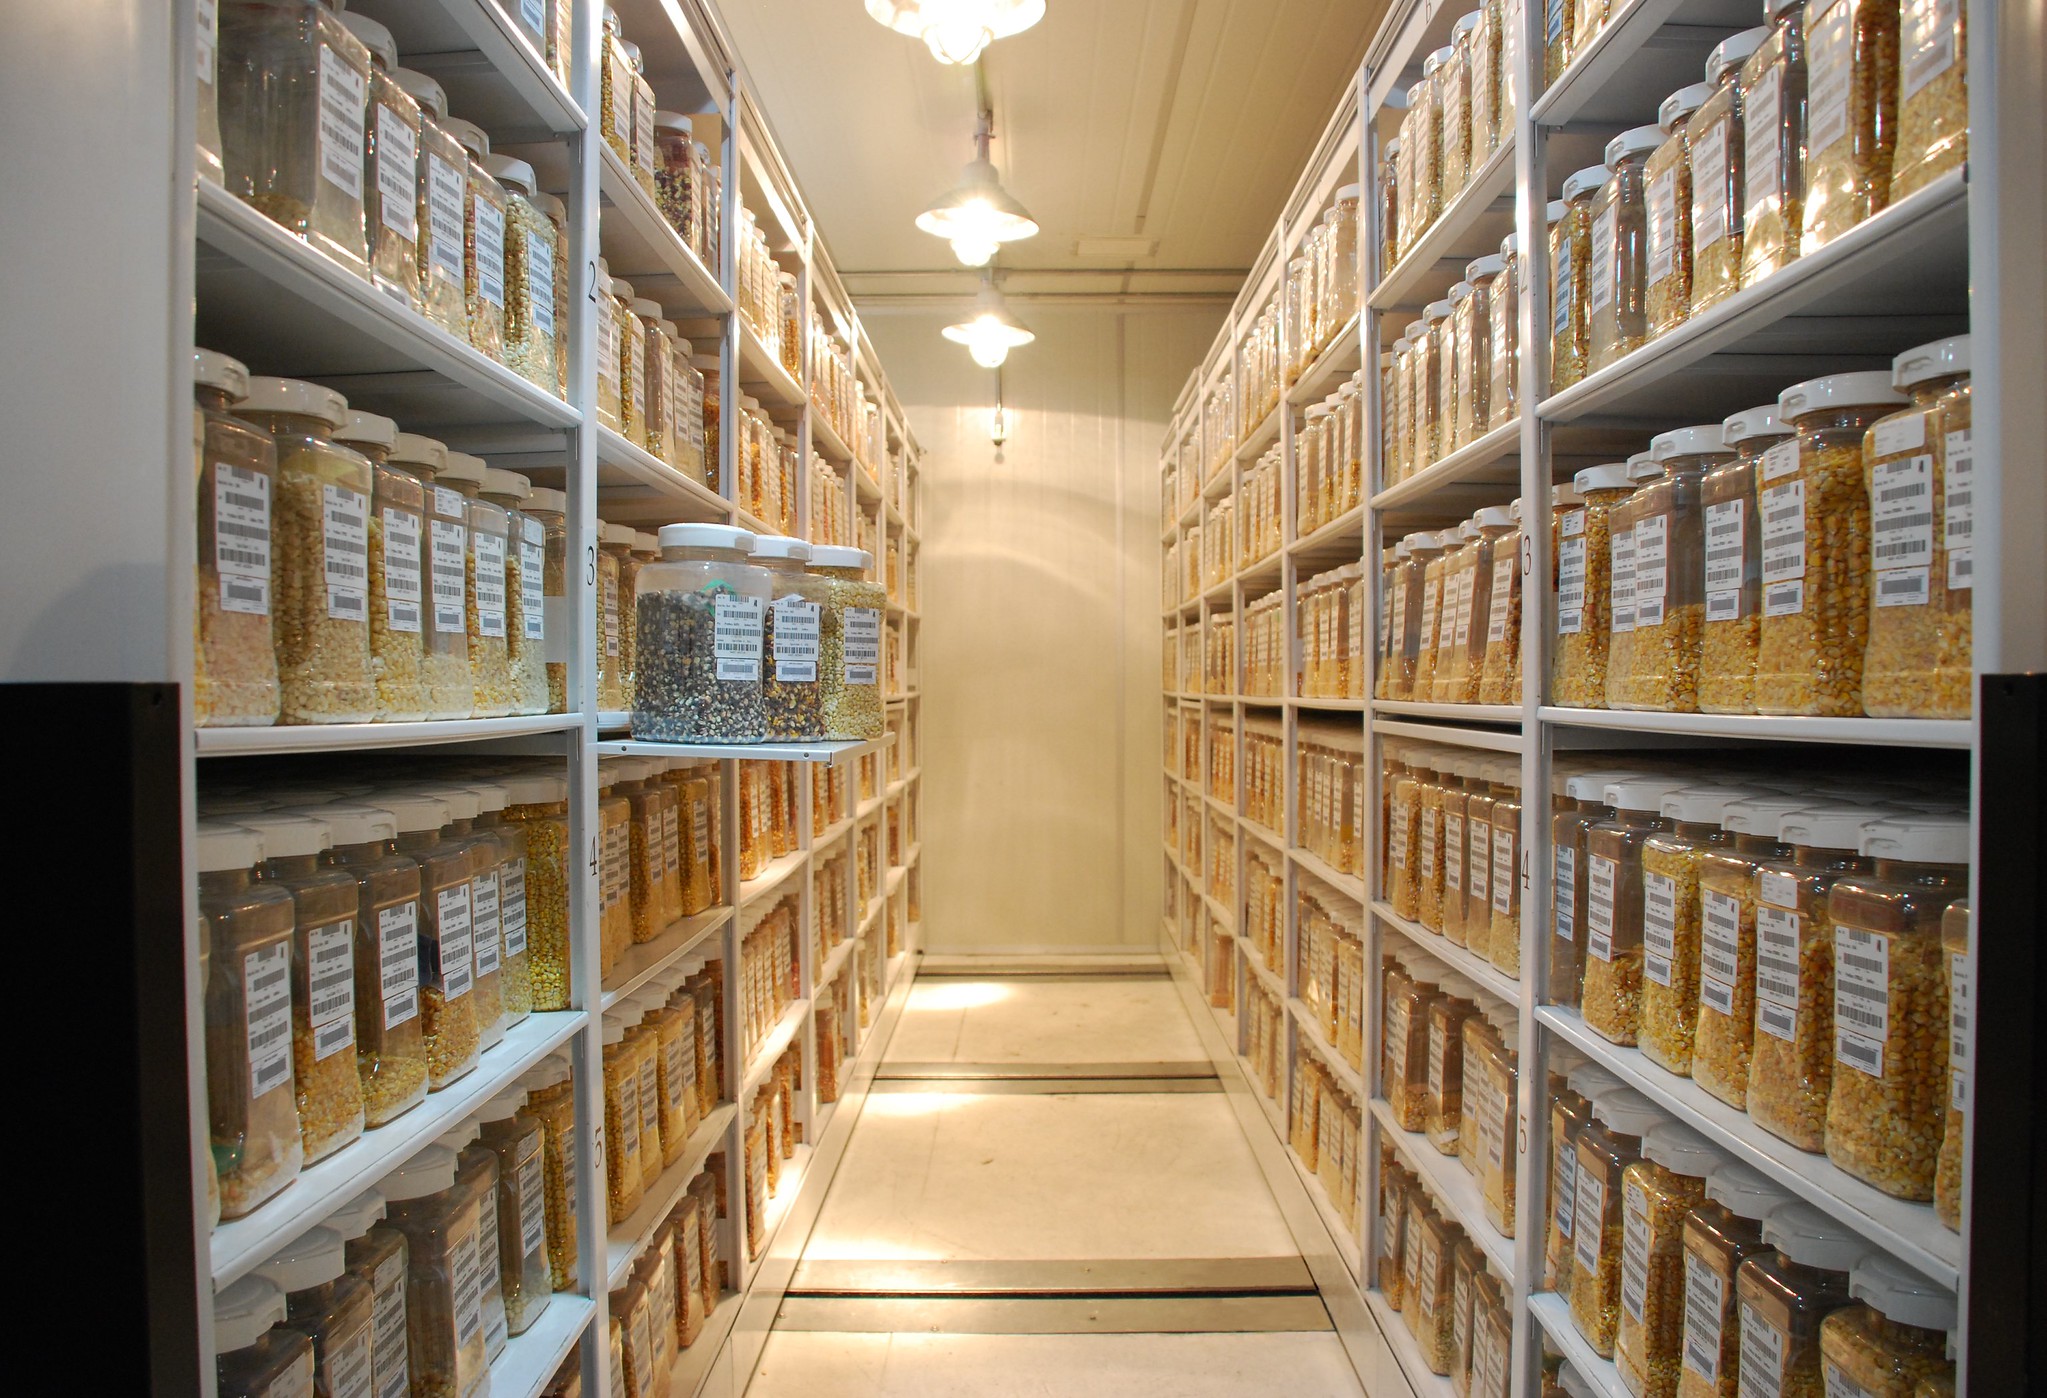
[[1453, 853], [1571, 583], [241, 538], [863, 645], [398, 961], [1896, 435], [1564, 886], [330, 986], [1504, 873], [486, 931], [532, 1207], [1777, 973], [1659, 926], [1651, 576], [1709, 187], [1762, 1355], [1432, 596], [1438, 1046], [1783, 511], [208, 38], [1926, 43], [621, 75], [1600, 267], [1478, 873], [1398, 841], [532, 576], [1705, 1296], [1780, 459], [540, 287], [1901, 587], [490, 584], [736, 632], [1957, 466], [1761, 131], [1634, 1250], [1553, 19], [490, 252], [1601, 873], [1561, 289], [512, 905], [447, 192], [534, 13], [1862, 998], [1719, 950], [388, 1325], [1663, 226], [1432, 833], [1839, 1385], [643, 126], [796, 633], [448, 542], [343, 88], [1961, 1009], [1784, 599], [1724, 560], [1591, 1213], [266, 997], [1564, 1166], [397, 174], [345, 520], [444, 955], [1828, 77], [671, 840], [465, 1287], [1622, 617], [345, 1364], [401, 570], [1901, 513], [1502, 596]]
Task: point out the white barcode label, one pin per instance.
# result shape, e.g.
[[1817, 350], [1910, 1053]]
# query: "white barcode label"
[[1783, 511], [1901, 512], [1621, 619], [486, 932], [534, 14], [1709, 186], [736, 632], [1961, 1012], [1828, 65], [1839, 1385], [1564, 881], [512, 905], [1651, 576], [402, 594], [1902, 587], [1599, 288], [1761, 134], [208, 39], [532, 577], [394, 1376], [796, 640], [1762, 1355], [1571, 583], [490, 583], [643, 126], [241, 538], [342, 91], [1634, 1250], [1398, 841], [345, 522], [540, 284], [1705, 1305], [1928, 41], [1662, 226], [446, 959], [397, 174], [398, 961], [532, 1207], [465, 1285], [862, 645], [266, 998], [447, 190], [1432, 836], [1478, 875], [1862, 998], [1564, 1165], [1497, 610], [1589, 1224], [1957, 466], [330, 986], [1601, 875], [671, 839], [1505, 875], [345, 1364], [1777, 972], [1453, 853], [1659, 927], [1724, 564], [1719, 950], [490, 250]]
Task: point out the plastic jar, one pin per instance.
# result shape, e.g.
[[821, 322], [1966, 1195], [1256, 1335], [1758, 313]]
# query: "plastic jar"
[[790, 687], [486, 914], [515, 983], [444, 1280], [483, 248], [246, 930], [476, 1173], [558, 217], [551, 1101], [1503, 877], [1496, 1097], [390, 184], [1620, 649], [1784, 1293], [1663, 670], [631, 340], [1791, 1063], [676, 191], [444, 576], [1851, 59], [293, 93], [1671, 862], [1585, 587], [1559, 29], [1395, 1183], [320, 543], [1815, 517], [1437, 613], [646, 892], [514, 1137], [1570, 273], [1424, 605], [849, 642], [255, 1354], [1435, 385], [537, 804], [487, 545], [1918, 462], [1719, 1235], [1615, 905], [1405, 1063], [1424, 122], [701, 609], [1616, 277], [206, 49], [1581, 804], [605, 313], [1499, 671], [1667, 181], [1429, 1256], [1462, 403], [1398, 442], [1895, 1336], [1658, 1191], [634, 550], [1454, 99], [447, 966], [375, 1257], [1443, 1101], [1947, 1176], [531, 332], [396, 574], [1888, 1106], [615, 90], [614, 882], [1726, 1028], [1731, 631], [1479, 346], [612, 695], [1503, 337], [657, 423], [525, 590], [1453, 631], [1773, 102], [1715, 147], [1570, 1112], [1933, 102], [623, 1144], [1482, 57], [234, 682], [1606, 1148], [333, 1310], [646, 1054], [441, 198]]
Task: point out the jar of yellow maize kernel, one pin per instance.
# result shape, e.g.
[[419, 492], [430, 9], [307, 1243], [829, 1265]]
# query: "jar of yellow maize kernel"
[[1933, 97], [1434, 371], [516, 964], [1465, 1270], [484, 567], [1888, 1107], [1617, 270], [536, 909], [1851, 64], [447, 965], [1428, 634], [1615, 904], [1606, 1148], [486, 923], [1486, 787], [1570, 272], [1669, 572], [1791, 1063], [234, 660], [1443, 1100], [1719, 1235], [1405, 1059], [1410, 592], [1570, 1112], [445, 1254], [396, 526], [375, 1255], [1499, 678], [1621, 521], [1478, 615], [1671, 921], [1715, 165], [334, 1309], [1785, 1291], [1954, 945], [1733, 562], [551, 1098], [1495, 1097], [1668, 194], [254, 1351], [1585, 587], [1918, 465], [1504, 877], [1429, 840], [1431, 1254], [1657, 1192], [1894, 1336], [1395, 1183], [483, 260], [1580, 805], [515, 1137], [444, 577], [1815, 519], [1727, 942], [623, 1145], [1773, 99], [525, 589], [1503, 335], [530, 330]]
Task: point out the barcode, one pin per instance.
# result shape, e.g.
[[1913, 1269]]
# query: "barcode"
[[400, 1007], [332, 1038], [1859, 1053], [238, 589]]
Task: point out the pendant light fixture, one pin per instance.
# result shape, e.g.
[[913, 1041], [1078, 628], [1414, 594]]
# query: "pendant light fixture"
[[991, 332], [956, 31], [978, 215]]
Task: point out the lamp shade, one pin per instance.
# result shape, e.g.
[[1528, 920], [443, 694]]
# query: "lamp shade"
[[956, 31], [990, 332], [977, 215]]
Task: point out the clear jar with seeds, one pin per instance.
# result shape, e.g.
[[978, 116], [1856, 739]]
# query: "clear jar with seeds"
[[483, 244], [1731, 632], [1429, 1312], [515, 975], [551, 1099], [1719, 1235], [1669, 558], [605, 315], [1725, 1035], [1472, 316], [547, 511], [515, 1137], [701, 616], [486, 546], [1405, 1062], [1424, 124], [1454, 98], [375, 1255], [1428, 636], [532, 333], [1933, 97], [1893, 1337], [1667, 178], [1620, 647], [1588, 17], [795, 711], [1851, 61], [1495, 1115], [612, 693], [1504, 877], [333, 1309], [234, 680], [444, 611], [1783, 1294], [538, 804], [440, 204], [1443, 1105], [1558, 31], [1615, 898], [1503, 336], [849, 642], [1657, 1192], [631, 334], [525, 590], [390, 192], [1435, 378], [397, 572], [1570, 1112], [1947, 1175], [1606, 1148], [445, 1254], [447, 965], [615, 89], [1499, 674], [1617, 253], [1466, 580], [657, 413], [390, 1055], [1714, 160], [1581, 804], [1773, 97], [1671, 921], [1395, 1183], [1584, 583]]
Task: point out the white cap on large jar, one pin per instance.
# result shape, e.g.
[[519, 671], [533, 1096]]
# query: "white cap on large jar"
[[1826, 827], [1555, 209], [1701, 805], [1587, 180], [839, 556], [287, 834], [470, 135], [415, 810], [1682, 1150], [429, 1171], [674, 121], [781, 546], [649, 544], [542, 499], [1642, 465], [1750, 423], [375, 37], [1592, 1080], [1707, 440], [1626, 1111], [226, 846], [1414, 331], [622, 534], [1491, 265], [462, 802], [358, 1215], [1565, 495], [501, 1107], [623, 290], [411, 449], [431, 96], [464, 467], [217, 370], [556, 211], [1494, 517], [351, 822], [1866, 388], [1641, 793], [1901, 1294], [1464, 25], [1435, 60], [490, 795], [314, 1258], [1402, 346], [295, 396], [506, 483], [1734, 49], [1807, 1236], [536, 789], [513, 174], [1435, 311], [1918, 838], [646, 309], [368, 429], [1461, 291], [1746, 1193], [1940, 360], [1612, 476], [244, 1311], [706, 536], [1758, 814], [1635, 141]]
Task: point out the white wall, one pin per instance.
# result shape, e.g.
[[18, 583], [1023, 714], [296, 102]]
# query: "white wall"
[[1040, 647]]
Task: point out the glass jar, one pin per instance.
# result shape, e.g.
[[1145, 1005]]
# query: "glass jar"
[[625, 542], [1495, 1096], [1657, 1192], [1671, 862], [1504, 877], [483, 244], [1785, 1294], [1570, 1112], [1919, 469], [440, 202], [1499, 676], [1405, 1062], [657, 412], [614, 879], [606, 313], [514, 1137], [1443, 1104], [1667, 182], [1571, 272], [1888, 1106], [486, 545], [1731, 632], [374, 1255], [1813, 502], [547, 514], [1584, 555], [390, 186], [525, 600], [1669, 568], [1719, 1235], [1432, 1251], [1615, 895], [447, 967], [1454, 99], [397, 501], [1581, 804], [1503, 336], [256, 1354], [1933, 101], [676, 188], [1773, 100], [234, 681], [1725, 1036], [1791, 1063], [1616, 276], [615, 89], [551, 1100], [444, 1319], [1453, 674], [622, 1139], [1458, 369], [1477, 366], [1714, 164], [701, 609], [794, 706], [529, 263], [558, 217], [1894, 1336], [333, 1310], [1851, 64], [246, 931], [631, 332], [293, 93], [1947, 1175], [1606, 1148], [444, 572], [849, 642], [320, 554], [389, 1053], [1428, 635], [537, 803], [1429, 842]]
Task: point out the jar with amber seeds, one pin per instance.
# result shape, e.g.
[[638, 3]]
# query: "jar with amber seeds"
[[622, 1137], [1617, 253], [1482, 618], [319, 554], [525, 589], [1433, 385], [1606, 1148], [515, 1137], [390, 194], [1409, 602], [397, 572], [605, 312], [234, 680], [375, 1256], [1667, 181], [444, 576], [1582, 804], [1395, 1182], [245, 943], [330, 1306], [485, 854], [448, 1024], [1731, 632], [445, 1249], [483, 561], [1454, 100], [515, 985], [1773, 100], [1719, 1235], [390, 1056], [1918, 463], [1888, 1107], [1615, 897], [621, 633], [1503, 878], [551, 1099], [1404, 1066], [440, 199], [1428, 1312], [1783, 1294], [1815, 518], [1443, 1101], [1499, 673], [1621, 520], [631, 338], [1671, 861], [1933, 100], [530, 342], [1495, 1094], [614, 917], [483, 246], [1851, 64], [547, 510], [1570, 269], [1657, 1192], [1791, 1062], [612, 693], [1727, 942], [1894, 1336], [1428, 839], [1714, 160], [1427, 608], [1584, 611], [1570, 1112], [538, 804], [1663, 668], [1947, 1176]]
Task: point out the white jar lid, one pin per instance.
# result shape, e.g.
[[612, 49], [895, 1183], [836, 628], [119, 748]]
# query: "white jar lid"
[[287, 835], [513, 174], [1435, 311], [1701, 805], [470, 136], [268, 395], [429, 1171], [225, 846], [411, 449], [1706, 440], [542, 499], [1644, 794], [244, 1311], [1465, 24], [368, 429], [839, 556], [1566, 494], [536, 789], [1591, 786], [1400, 346], [781, 546], [620, 534], [1585, 181], [1494, 517], [462, 803], [1435, 60], [1901, 1293], [1682, 1150], [490, 795], [1919, 838], [1491, 265], [647, 310], [1635, 141], [375, 37], [457, 1137], [1939, 360], [706, 536], [1591, 1080], [646, 543], [1733, 49], [1555, 209], [217, 370], [354, 1218], [674, 121], [1864, 388], [1391, 148], [623, 290], [1348, 192], [313, 1258], [1681, 103], [501, 1107], [1414, 331], [1642, 466], [431, 96], [415, 810], [511, 483], [1759, 421], [1612, 476], [1626, 1111], [350, 822], [1461, 291], [464, 467], [1807, 1236], [1745, 1192], [1468, 530], [1826, 827], [1758, 814]]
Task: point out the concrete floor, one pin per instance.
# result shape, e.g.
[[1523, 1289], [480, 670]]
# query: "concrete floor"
[[1126, 1019]]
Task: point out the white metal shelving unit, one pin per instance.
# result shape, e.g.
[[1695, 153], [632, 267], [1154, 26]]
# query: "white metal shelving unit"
[[1939, 261]]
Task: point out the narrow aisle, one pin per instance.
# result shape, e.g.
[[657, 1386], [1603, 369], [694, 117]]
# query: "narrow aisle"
[[1048, 1192]]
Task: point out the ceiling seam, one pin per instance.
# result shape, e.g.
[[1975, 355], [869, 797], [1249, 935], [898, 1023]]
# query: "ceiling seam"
[[1182, 35]]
